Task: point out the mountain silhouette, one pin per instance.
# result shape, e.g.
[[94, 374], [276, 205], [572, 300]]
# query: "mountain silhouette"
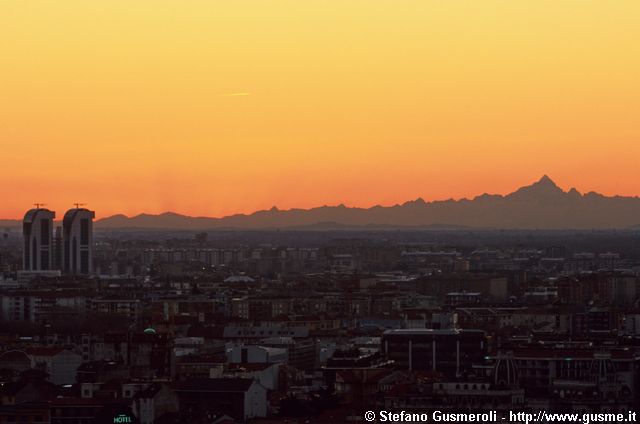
[[541, 205], [542, 189]]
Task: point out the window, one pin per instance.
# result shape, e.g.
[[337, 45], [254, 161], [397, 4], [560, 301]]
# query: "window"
[[34, 253], [84, 262], [44, 232], [84, 231], [44, 260]]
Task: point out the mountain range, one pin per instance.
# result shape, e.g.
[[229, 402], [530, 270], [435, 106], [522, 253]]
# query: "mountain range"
[[541, 205]]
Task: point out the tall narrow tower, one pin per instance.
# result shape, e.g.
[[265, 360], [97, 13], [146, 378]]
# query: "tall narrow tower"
[[77, 241], [37, 229]]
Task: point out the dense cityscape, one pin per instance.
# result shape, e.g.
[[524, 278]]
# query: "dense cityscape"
[[319, 211], [161, 326]]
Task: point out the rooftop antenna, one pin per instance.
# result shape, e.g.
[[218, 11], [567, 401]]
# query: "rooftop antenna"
[[77, 205], [38, 205]]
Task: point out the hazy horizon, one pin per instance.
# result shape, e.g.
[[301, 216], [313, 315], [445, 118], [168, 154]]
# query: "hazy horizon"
[[532, 183], [540, 205]]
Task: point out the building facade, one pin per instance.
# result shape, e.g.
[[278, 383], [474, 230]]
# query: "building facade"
[[37, 229], [77, 235]]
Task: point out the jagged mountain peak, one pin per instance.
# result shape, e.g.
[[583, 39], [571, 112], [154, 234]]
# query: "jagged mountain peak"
[[545, 186], [417, 202], [545, 183], [546, 180], [574, 192]]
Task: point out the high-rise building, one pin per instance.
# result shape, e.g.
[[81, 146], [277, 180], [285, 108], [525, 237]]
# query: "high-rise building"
[[37, 228], [77, 241]]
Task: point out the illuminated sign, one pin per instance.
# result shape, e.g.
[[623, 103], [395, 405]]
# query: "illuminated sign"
[[122, 418]]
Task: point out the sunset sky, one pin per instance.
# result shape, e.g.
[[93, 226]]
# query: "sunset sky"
[[217, 107]]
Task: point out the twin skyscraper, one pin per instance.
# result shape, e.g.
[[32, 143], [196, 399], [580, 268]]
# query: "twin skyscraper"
[[69, 251]]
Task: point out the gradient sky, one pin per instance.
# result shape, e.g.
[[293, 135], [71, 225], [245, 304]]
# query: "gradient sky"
[[217, 107]]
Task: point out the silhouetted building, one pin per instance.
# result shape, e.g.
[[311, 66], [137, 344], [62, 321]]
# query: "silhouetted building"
[[77, 235], [37, 228]]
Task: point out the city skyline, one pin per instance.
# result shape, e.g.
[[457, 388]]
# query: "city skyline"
[[214, 109], [57, 246]]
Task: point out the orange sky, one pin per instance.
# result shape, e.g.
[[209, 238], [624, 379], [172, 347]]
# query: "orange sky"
[[216, 107]]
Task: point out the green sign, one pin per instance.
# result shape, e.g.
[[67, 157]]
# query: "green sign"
[[122, 418]]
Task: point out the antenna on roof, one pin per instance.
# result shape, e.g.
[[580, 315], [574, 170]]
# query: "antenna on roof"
[[38, 205], [77, 205]]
